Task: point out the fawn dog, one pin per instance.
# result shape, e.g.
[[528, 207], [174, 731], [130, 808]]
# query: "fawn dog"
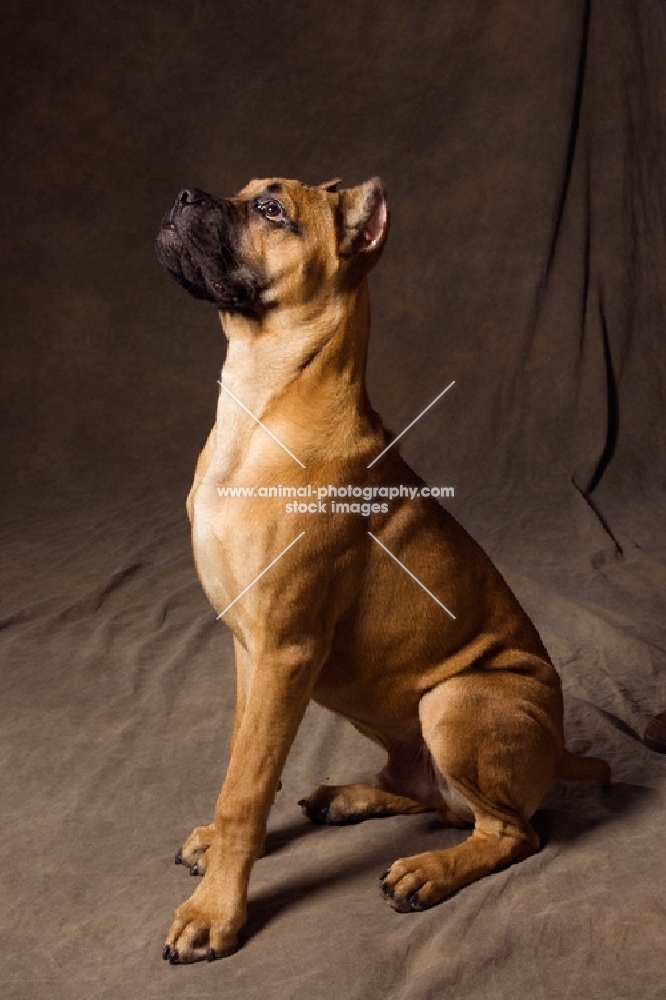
[[459, 690]]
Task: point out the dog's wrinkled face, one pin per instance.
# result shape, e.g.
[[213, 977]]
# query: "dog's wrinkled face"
[[277, 243]]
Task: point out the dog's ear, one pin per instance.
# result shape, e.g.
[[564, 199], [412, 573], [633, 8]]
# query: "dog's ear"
[[364, 218], [330, 187]]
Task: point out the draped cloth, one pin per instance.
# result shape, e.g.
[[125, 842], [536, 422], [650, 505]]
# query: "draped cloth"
[[523, 148]]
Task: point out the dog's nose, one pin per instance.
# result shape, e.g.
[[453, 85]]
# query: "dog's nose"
[[192, 196]]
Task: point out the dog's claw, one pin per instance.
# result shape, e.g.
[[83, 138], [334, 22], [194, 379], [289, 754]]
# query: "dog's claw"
[[166, 954], [317, 816], [386, 891], [382, 877], [413, 901], [211, 955], [194, 869], [178, 860], [173, 957]]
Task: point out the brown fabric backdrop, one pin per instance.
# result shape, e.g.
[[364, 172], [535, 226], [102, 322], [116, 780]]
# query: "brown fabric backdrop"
[[523, 147]]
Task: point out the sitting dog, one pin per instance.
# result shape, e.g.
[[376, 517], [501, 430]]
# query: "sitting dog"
[[394, 618]]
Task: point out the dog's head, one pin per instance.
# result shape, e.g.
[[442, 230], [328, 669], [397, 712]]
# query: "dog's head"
[[277, 243]]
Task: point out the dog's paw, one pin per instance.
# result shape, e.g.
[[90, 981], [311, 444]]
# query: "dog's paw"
[[201, 929], [415, 883], [334, 804], [192, 853], [200, 865]]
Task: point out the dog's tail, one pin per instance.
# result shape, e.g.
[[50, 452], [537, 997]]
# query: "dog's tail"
[[571, 767]]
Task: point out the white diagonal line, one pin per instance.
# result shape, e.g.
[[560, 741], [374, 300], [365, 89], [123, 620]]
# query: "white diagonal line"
[[409, 573], [260, 576], [410, 425], [250, 413]]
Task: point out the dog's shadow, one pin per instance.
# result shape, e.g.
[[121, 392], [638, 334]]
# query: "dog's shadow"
[[277, 840], [570, 812], [330, 869]]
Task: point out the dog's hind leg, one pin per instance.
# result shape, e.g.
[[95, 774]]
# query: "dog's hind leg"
[[494, 741], [339, 804], [426, 879], [405, 785]]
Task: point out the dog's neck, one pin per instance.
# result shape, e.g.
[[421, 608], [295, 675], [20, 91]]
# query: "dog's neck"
[[303, 377], [319, 356]]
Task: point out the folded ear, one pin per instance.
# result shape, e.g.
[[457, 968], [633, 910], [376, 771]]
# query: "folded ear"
[[364, 217], [330, 186]]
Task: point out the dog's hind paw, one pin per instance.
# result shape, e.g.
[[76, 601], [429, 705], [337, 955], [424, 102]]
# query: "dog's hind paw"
[[408, 885], [338, 804], [426, 879], [329, 804]]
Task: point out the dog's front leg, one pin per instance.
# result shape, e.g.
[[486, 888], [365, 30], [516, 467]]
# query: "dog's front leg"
[[194, 852], [207, 924]]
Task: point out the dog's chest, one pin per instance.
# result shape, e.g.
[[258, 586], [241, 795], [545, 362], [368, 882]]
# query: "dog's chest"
[[236, 529], [210, 529], [222, 538]]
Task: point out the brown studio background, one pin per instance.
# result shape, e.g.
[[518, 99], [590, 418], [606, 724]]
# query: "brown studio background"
[[523, 150]]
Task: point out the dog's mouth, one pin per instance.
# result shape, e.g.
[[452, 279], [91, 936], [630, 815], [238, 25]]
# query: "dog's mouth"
[[196, 244]]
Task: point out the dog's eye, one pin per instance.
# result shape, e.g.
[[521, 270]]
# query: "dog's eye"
[[271, 209]]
